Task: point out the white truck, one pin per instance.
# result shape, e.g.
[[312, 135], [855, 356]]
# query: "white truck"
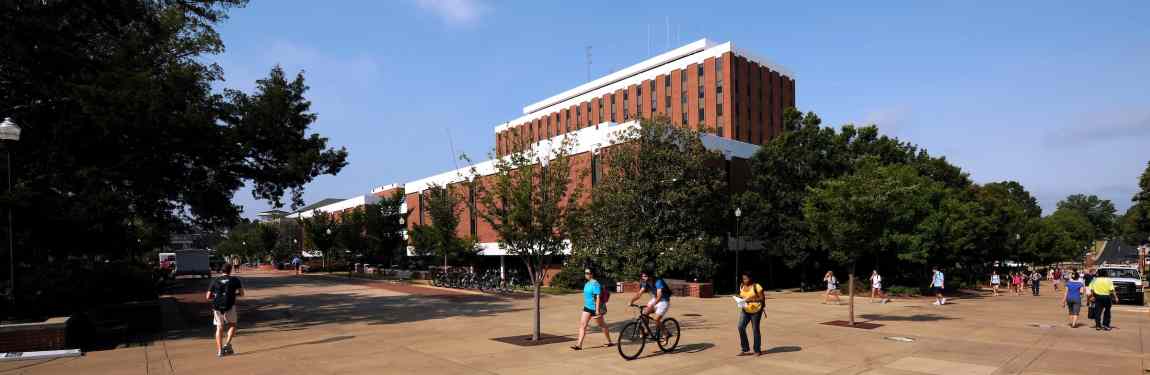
[[191, 262], [1127, 281]]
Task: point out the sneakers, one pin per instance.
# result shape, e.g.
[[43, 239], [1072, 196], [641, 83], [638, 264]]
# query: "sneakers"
[[944, 301], [228, 350]]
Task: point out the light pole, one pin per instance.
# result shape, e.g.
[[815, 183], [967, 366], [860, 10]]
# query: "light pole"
[[738, 213], [323, 253], [9, 134]]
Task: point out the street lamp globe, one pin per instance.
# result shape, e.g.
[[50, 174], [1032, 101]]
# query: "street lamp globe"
[[9, 131], [738, 212], [328, 231]]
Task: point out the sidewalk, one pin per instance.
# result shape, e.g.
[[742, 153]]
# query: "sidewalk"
[[321, 325]]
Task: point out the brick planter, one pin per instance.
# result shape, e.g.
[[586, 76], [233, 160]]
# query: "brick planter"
[[27, 337], [681, 289]]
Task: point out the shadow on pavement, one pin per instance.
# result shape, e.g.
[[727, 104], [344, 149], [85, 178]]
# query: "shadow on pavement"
[[693, 348], [902, 318], [783, 349], [313, 342], [287, 312]]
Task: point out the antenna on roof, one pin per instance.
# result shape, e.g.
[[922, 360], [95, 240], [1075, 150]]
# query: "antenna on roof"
[[451, 143], [588, 63]]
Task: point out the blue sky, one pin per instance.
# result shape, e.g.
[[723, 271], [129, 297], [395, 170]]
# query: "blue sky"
[[1053, 94]]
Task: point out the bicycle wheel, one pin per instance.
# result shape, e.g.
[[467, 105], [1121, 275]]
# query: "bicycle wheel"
[[631, 341], [669, 337]]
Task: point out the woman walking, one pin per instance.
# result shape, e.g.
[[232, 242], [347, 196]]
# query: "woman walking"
[[876, 288], [1072, 298], [594, 306], [832, 288], [752, 294], [1016, 282], [994, 282]]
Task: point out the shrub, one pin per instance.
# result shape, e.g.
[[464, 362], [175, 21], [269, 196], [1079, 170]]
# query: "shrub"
[[904, 291], [569, 277]]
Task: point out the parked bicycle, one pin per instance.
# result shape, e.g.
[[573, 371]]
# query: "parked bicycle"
[[635, 334]]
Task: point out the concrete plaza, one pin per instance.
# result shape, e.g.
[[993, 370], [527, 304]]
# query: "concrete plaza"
[[326, 325]]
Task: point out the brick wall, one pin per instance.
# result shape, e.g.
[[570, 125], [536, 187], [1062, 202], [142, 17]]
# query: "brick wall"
[[48, 335]]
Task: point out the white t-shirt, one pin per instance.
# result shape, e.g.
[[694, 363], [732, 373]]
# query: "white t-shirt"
[[876, 281]]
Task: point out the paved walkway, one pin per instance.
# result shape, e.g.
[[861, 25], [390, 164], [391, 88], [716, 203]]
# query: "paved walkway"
[[325, 325]]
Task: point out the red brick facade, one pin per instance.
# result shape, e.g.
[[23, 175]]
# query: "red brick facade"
[[751, 96]]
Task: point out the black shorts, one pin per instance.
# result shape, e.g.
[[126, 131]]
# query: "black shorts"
[[592, 312], [936, 290]]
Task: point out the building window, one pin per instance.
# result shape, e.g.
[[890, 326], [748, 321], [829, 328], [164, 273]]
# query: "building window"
[[654, 99], [702, 116], [612, 108], [600, 110], [719, 94], [547, 128], [594, 169], [588, 114], [699, 68], [719, 129], [718, 110], [421, 208], [578, 117], [471, 209], [626, 106], [701, 89], [684, 118]]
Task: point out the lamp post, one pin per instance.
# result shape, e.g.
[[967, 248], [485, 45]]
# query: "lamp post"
[[9, 134], [738, 213], [323, 254]]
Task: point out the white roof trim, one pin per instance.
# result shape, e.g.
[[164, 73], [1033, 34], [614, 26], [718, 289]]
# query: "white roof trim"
[[676, 59], [385, 188], [586, 139], [339, 206]]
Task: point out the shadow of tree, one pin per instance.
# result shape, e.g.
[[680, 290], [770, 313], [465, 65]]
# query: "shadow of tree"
[[288, 312], [904, 318]]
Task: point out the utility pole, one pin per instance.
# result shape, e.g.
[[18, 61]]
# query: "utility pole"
[[588, 48]]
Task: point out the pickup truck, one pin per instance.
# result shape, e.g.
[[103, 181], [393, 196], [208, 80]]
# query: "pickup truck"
[[1127, 281]]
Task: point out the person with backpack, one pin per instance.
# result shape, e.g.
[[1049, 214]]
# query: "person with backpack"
[[594, 307], [660, 298], [222, 293], [752, 297]]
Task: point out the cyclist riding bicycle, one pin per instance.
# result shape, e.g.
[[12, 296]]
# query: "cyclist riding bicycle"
[[660, 298]]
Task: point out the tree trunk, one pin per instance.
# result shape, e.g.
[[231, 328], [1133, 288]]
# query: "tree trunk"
[[851, 285], [535, 331]]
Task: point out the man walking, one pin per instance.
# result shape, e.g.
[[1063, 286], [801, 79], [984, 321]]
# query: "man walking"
[[936, 285], [1102, 293], [222, 293], [1035, 282]]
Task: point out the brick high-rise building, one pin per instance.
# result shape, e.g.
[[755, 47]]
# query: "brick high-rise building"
[[732, 96]]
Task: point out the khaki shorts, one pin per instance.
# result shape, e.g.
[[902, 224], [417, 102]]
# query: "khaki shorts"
[[226, 317]]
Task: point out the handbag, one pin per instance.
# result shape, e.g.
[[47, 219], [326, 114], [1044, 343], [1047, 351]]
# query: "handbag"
[[1092, 311]]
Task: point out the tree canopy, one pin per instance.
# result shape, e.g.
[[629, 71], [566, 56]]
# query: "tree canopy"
[[659, 202], [1099, 212], [118, 106]]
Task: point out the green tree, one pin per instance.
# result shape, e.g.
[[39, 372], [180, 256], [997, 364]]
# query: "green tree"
[[531, 203], [350, 237], [269, 237], [1134, 226], [876, 210], [659, 201], [1062, 236], [1010, 210], [118, 105], [783, 171], [440, 238], [1100, 212], [1136, 223], [321, 231], [384, 223]]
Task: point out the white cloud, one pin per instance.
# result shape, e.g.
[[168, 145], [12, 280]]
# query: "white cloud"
[[455, 12]]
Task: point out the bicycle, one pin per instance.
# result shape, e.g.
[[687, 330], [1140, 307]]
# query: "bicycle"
[[635, 334]]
